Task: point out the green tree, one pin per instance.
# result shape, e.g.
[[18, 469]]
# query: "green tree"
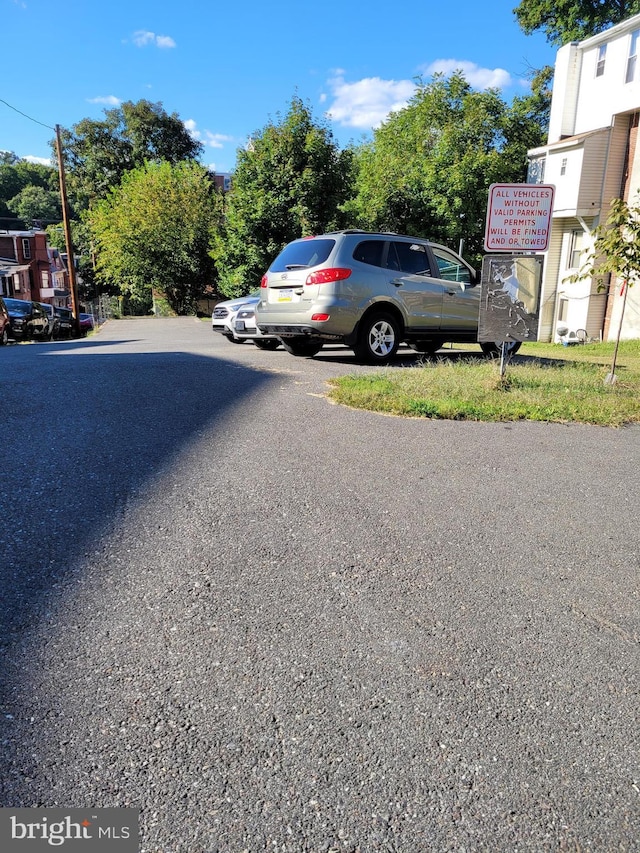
[[98, 154], [563, 21], [428, 168], [289, 182], [15, 176], [152, 233], [616, 250], [37, 206], [8, 158]]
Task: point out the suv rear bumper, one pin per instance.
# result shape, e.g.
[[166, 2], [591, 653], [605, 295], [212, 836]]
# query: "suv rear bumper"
[[296, 331]]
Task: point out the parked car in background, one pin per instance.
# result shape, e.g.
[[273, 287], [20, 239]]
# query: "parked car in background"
[[87, 324], [370, 291], [244, 328], [51, 319], [66, 324], [5, 323], [224, 315], [28, 320]]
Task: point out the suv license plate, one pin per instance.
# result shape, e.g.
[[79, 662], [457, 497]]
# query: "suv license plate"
[[285, 295]]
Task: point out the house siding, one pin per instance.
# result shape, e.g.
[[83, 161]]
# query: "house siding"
[[592, 132]]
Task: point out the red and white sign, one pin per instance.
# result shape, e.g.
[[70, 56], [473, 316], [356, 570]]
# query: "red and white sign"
[[519, 217]]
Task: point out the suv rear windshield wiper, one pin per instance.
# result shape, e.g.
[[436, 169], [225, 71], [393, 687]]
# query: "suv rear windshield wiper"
[[297, 266]]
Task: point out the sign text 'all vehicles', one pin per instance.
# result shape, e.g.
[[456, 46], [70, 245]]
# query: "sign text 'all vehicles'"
[[519, 217]]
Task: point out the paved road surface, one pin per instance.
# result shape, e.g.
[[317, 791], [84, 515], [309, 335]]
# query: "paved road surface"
[[277, 624]]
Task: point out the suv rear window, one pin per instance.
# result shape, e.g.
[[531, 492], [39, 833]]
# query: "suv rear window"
[[303, 254], [369, 252]]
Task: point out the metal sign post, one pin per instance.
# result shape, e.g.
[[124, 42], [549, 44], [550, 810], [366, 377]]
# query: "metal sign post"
[[509, 300]]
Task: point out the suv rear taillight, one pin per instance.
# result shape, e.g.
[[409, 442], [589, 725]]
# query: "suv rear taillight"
[[325, 276], [263, 281]]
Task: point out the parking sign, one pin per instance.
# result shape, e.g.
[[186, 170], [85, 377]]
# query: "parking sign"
[[518, 217]]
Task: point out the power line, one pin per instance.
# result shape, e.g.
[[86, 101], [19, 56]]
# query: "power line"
[[15, 109]]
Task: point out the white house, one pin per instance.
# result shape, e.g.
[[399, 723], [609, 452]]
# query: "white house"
[[591, 158]]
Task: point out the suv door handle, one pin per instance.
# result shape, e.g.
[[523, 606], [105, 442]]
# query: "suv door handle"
[[396, 282], [451, 292]]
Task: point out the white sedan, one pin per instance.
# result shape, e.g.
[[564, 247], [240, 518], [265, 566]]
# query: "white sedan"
[[245, 329], [224, 315]]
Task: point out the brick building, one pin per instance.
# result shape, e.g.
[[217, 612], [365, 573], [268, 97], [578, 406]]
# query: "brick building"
[[31, 269]]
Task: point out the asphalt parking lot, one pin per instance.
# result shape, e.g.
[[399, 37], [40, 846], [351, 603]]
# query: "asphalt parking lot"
[[272, 623]]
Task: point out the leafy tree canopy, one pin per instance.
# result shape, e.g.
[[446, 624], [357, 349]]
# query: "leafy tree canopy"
[[8, 158], [37, 207], [289, 182], [99, 153], [429, 167], [563, 21], [15, 176], [153, 232]]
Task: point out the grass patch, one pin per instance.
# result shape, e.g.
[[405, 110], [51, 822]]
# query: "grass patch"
[[544, 382]]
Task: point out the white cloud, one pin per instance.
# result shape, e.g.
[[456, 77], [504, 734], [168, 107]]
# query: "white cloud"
[[368, 102], [110, 100], [43, 161], [216, 140], [479, 78], [192, 127], [165, 41], [211, 140], [141, 38]]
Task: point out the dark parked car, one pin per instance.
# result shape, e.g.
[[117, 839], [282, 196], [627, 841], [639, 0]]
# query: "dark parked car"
[[5, 323], [65, 322], [51, 319], [28, 320]]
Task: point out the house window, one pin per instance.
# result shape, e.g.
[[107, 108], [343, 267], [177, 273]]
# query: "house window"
[[562, 310], [602, 55], [633, 55], [575, 249], [26, 249], [563, 166]]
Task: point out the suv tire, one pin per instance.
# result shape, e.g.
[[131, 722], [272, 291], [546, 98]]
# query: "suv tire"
[[269, 344], [302, 347], [378, 338], [494, 350], [426, 347]]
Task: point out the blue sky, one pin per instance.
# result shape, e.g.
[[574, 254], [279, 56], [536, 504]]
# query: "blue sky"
[[228, 68]]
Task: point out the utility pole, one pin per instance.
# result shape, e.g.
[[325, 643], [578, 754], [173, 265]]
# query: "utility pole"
[[67, 235]]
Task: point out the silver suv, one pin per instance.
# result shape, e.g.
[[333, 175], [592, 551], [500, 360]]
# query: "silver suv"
[[370, 292]]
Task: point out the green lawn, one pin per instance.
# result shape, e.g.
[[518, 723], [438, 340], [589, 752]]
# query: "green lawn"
[[544, 382]]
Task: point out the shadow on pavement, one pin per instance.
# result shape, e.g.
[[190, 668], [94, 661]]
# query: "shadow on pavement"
[[81, 435]]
